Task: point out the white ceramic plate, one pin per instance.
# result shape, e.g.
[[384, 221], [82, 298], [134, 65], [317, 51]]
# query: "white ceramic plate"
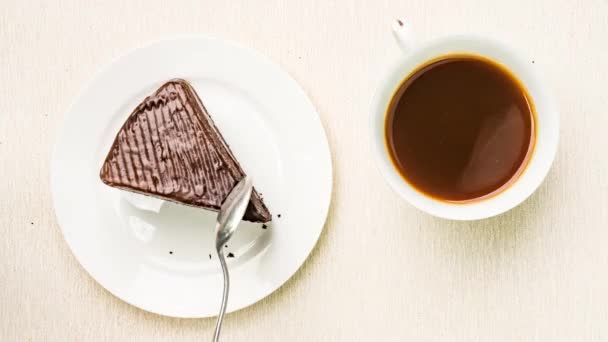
[[159, 256]]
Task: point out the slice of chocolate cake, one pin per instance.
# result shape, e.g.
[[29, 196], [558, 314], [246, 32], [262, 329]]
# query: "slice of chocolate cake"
[[170, 148]]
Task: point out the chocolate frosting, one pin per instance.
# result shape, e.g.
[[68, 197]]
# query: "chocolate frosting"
[[170, 148]]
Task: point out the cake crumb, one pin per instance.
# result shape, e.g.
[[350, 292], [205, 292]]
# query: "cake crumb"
[[209, 256], [279, 215], [170, 252], [230, 255], [264, 226]]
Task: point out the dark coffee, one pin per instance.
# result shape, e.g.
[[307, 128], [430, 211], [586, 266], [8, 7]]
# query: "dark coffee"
[[460, 128]]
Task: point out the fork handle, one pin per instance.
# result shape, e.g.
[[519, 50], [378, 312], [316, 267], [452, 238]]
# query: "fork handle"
[[220, 317]]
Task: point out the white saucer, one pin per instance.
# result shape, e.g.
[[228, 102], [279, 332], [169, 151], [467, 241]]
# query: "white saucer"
[[155, 255]]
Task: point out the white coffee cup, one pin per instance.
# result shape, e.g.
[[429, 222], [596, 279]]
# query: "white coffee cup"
[[547, 123]]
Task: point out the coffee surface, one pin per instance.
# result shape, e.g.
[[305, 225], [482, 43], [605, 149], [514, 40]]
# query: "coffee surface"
[[460, 128]]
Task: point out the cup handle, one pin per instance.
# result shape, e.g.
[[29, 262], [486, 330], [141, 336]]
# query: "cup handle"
[[403, 35]]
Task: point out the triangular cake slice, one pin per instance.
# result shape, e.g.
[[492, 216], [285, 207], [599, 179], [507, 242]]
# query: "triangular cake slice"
[[170, 148]]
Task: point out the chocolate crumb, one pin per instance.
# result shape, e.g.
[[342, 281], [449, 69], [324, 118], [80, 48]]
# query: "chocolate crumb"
[[532, 62], [230, 255], [209, 256], [226, 246], [32, 223], [279, 215], [170, 252], [264, 226]]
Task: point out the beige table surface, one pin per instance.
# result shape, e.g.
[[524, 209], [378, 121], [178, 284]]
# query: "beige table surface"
[[381, 270]]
